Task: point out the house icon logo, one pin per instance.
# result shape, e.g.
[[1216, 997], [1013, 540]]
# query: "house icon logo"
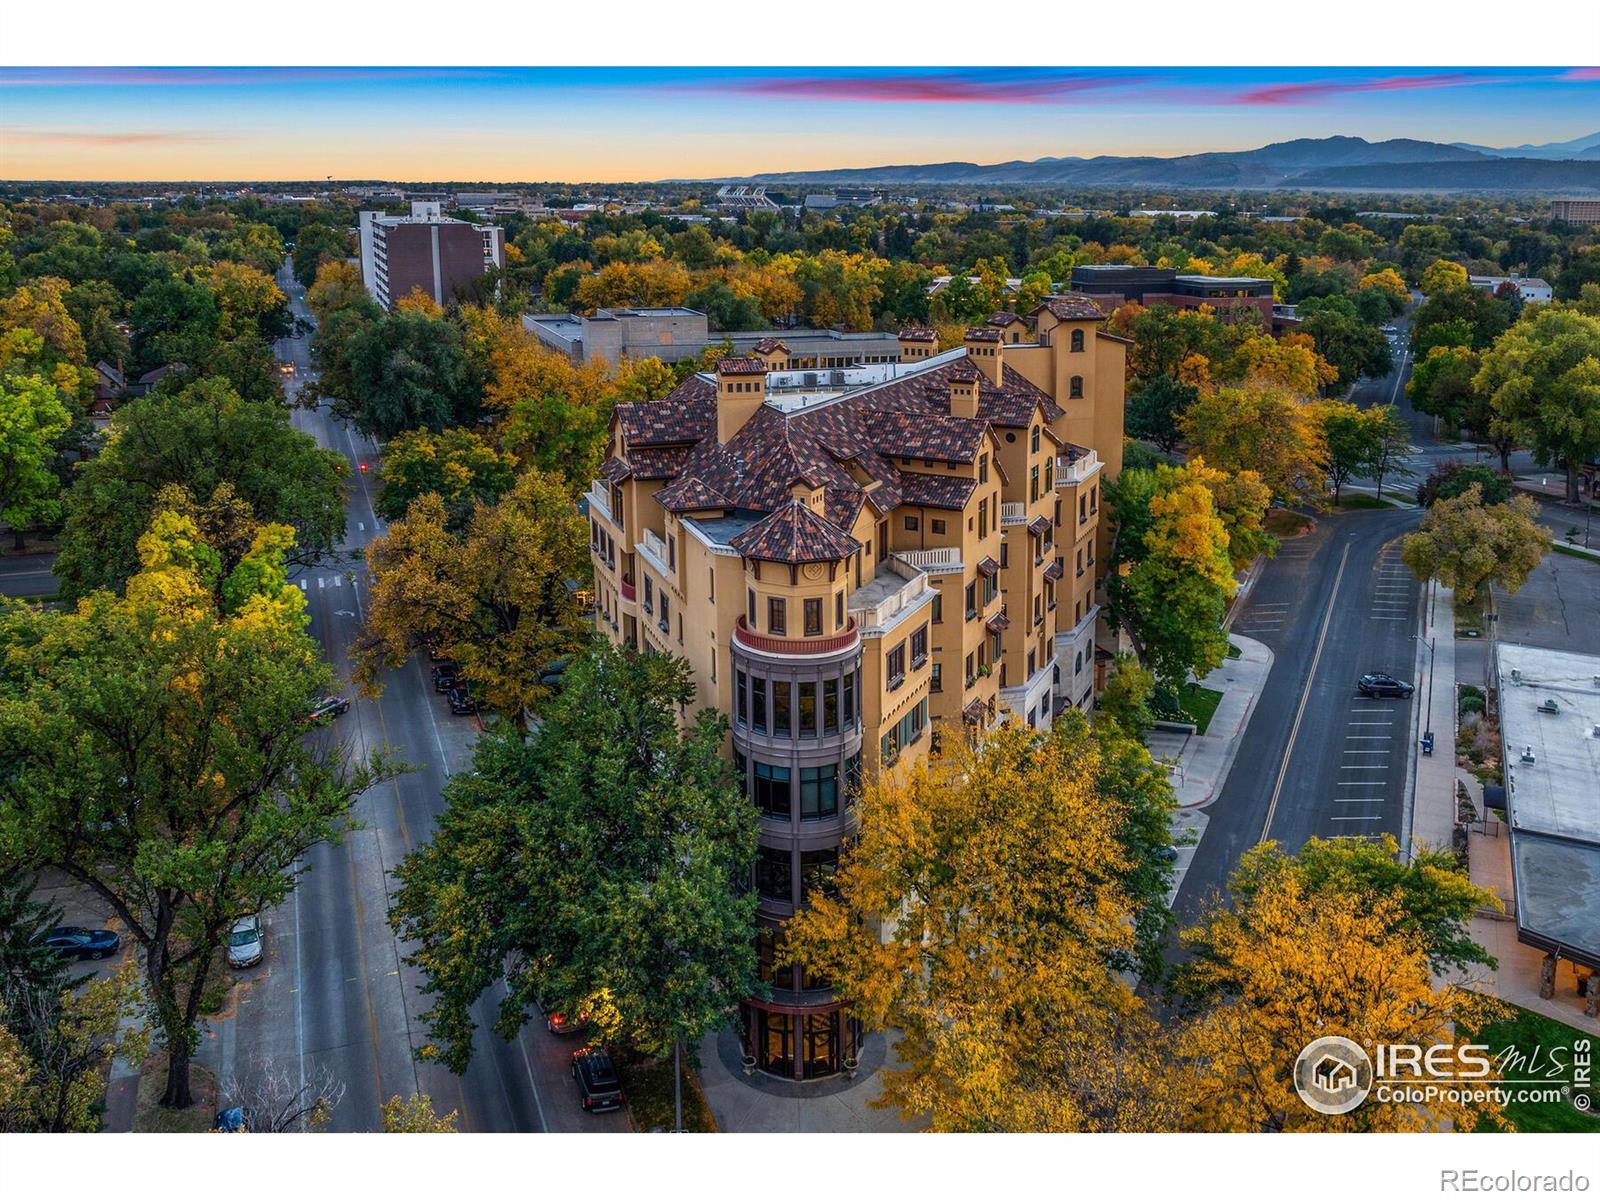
[[1333, 1075]]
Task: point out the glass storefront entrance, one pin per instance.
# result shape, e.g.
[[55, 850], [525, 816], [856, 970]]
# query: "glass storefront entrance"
[[806, 1044]]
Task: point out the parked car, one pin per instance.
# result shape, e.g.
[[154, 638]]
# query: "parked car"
[[560, 1023], [444, 676], [462, 701], [244, 942], [70, 941], [1377, 684], [599, 1085], [326, 709]]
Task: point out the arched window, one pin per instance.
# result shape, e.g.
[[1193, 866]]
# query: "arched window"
[[1077, 341], [1075, 388]]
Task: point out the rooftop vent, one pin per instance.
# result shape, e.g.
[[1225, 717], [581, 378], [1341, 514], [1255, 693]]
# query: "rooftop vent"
[[1549, 706], [1527, 754]]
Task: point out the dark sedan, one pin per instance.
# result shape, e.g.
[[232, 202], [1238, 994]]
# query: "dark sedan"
[[444, 676], [69, 941], [1377, 684], [599, 1085], [462, 702]]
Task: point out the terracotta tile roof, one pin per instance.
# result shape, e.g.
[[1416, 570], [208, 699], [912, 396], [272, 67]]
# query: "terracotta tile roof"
[[687, 414], [964, 370], [1072, 306], [987, 566], [689, 493], [1039, 526], [768, 345], [917, 333], [926, 435], [1053, 571], [657, 462], [981, 333], [795, 534], [998, 623], [1002, 319], [935, 491], [975, 712], [614, 470], [742, 366]]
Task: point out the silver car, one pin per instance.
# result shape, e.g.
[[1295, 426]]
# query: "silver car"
[[244, 942]]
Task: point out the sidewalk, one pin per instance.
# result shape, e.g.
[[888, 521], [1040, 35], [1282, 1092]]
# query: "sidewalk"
[[1199, 763], [1431, 814], [760, 1103]]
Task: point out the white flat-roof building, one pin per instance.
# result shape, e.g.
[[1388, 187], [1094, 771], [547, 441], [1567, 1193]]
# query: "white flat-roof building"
[[1532, 290], [1550, 729]]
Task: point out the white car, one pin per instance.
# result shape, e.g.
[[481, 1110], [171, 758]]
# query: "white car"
[[245, 946]]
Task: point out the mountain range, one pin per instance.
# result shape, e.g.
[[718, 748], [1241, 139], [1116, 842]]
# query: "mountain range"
[[1332, 162]]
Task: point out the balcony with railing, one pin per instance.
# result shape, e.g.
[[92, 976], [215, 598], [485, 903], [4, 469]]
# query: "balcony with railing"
[[1013, 512], [945, 560], [890, 596], [767, 643], [599, 497], [1073, 469], [654, 550]]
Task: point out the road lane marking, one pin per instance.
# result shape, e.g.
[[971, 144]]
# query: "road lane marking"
[[1378, 818], [1305, 692], [1362, 800]]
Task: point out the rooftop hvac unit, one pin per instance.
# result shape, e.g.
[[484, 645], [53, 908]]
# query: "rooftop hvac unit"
[[1527, 754], [837, 378], [811, 379]]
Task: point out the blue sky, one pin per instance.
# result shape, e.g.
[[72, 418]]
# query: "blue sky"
[[594, 124]]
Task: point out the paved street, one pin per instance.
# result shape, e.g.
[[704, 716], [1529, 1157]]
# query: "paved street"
[[1317, 760], [334, 991], [24, 575]]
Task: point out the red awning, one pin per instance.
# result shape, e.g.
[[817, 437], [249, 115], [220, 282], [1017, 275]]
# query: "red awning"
[[1039, 526], [1053, 571], [988, 566]]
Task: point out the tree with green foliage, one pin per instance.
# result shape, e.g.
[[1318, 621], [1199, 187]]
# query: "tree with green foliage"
[[460, 466], [1450, 478], [200, 437], [316, 244], [27, 965], [1466, 544], [1481, 317], [407, 370], [32, 422], [157, 756], [1155, 413], [1441, 383], [1542, 381], [599, 864], [1125, 700], [1353, 346]]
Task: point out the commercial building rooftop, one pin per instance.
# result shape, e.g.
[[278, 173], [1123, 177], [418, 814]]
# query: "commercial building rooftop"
[[1550, 726]]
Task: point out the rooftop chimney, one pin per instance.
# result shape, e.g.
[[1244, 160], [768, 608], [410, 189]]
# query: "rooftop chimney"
[[741, 390], [964, 378], [984, 348], [917, 342]]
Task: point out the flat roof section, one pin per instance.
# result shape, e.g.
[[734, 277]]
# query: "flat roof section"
[[1550, 726]]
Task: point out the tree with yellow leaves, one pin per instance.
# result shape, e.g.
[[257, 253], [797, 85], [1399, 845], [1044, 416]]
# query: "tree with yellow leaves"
[[1442, 275], [975, 914], [1265, 428], [414, 1114], [495, 598], [1388, 281], [1294, 960], [157, 756]]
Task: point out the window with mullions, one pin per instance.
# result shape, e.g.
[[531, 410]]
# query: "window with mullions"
[[830, 706], [817, 870], [741, 771], [813, 617], [819, 792], [758, 704], [808, 710], [849, 719], [852, 778], [771, 790], [741, 698], [774, 875], [780, 708]]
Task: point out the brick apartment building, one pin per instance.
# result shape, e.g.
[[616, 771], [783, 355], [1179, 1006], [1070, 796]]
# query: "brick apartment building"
[[426, 250], [1576, 212], [857, 563], [1111, 286]]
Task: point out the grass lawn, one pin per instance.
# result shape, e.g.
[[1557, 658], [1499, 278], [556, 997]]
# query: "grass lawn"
[[1198, 704], [150, 1117], [1285, 523], [1526, 1030], [647, 1085], [1355, 501], [1573, 552], [1469, 616]]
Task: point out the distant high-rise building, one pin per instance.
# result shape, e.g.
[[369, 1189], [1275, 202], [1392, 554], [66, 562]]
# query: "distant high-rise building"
[[426, 251], [1576, 212]]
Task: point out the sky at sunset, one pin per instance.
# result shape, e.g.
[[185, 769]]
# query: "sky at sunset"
[[592, 124]]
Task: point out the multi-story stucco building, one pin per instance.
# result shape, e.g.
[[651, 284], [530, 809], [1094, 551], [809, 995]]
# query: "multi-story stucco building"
[[858, 563]]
